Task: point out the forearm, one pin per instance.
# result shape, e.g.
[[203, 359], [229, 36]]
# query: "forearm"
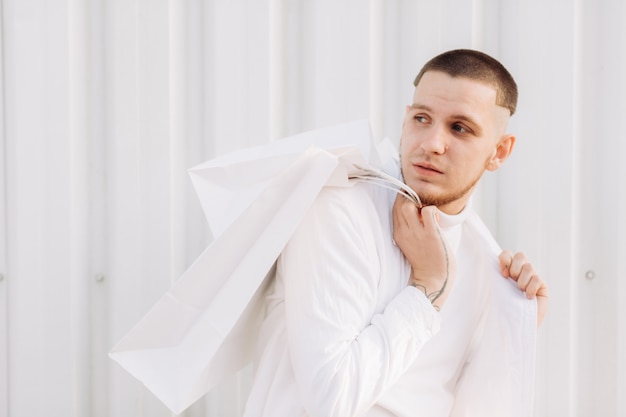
[[341, 369], [349, 337]]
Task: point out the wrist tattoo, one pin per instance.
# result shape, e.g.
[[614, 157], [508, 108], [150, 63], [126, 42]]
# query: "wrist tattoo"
[[433, 296]]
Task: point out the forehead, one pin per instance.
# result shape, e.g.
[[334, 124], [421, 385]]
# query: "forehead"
[[444, 93]]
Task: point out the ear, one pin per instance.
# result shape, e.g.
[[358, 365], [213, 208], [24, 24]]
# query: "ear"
[[501, 153]]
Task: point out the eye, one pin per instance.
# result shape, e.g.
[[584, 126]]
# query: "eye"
[[457, 127], [420, 118]]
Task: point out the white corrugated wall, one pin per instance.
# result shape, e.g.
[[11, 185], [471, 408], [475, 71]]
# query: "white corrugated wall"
[[105, 103]]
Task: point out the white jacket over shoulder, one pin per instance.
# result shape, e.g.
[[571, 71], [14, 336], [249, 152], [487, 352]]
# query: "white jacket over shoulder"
[[345, 335]]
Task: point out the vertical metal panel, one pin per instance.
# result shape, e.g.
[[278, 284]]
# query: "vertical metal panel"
[[178, 107], [377, 18], [79, 235], [124, 395], [4, 318], [38, 210], [277, 68], [333, 54], [620, 232], [619, 208], [138, 187], [240, 64], [397, 89], [99, 333], [199, 120], [601, 83]]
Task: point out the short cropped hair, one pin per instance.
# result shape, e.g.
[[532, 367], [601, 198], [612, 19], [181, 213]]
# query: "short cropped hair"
[[478, 66]]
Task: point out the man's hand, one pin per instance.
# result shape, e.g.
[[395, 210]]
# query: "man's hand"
[[417, 234], [519, 269]]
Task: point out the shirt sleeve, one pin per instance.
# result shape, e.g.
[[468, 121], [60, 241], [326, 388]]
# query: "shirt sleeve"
[[345, 353]]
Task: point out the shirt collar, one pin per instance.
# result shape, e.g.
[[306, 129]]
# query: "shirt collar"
[[448, 221]]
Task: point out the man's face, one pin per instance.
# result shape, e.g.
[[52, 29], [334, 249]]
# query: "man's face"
[[451, 134]]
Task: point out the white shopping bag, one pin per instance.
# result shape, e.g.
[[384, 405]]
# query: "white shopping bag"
[[227, 185], [204, 328]]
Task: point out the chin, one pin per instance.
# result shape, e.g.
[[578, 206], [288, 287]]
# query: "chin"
[[435, 199], [425, 194], [430, 200]]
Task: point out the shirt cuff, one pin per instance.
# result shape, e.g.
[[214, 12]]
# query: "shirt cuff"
[[411, 315]]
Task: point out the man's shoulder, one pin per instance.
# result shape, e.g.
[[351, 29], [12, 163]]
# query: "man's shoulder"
[[359, 207], [356, 197], [481, 234]]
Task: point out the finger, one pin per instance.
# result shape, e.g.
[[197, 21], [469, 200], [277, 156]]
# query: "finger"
[[505, 258], [429, 217], [397, 203], [533, 287], [401, 214], [397, 213], [411, 214], [543, 291], [399, 222], [542, 308], [525, 276], [517, 263]]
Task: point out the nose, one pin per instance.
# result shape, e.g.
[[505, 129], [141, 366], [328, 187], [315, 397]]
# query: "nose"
[[434, 141]]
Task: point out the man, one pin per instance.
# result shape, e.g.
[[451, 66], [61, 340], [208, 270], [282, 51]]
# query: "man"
[[384, 308]]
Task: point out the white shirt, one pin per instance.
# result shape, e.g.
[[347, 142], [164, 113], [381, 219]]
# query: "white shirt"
[[345, 335]]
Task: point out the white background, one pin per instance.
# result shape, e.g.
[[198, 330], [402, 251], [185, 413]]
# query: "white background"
[[104, 104]]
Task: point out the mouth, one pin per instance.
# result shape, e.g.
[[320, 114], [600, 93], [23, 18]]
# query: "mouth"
[[425, 168]]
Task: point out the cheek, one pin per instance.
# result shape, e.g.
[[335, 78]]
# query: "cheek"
[[464, 165], [473, 158], [408, 141], [403, 144], [403, 156], [406, 150]]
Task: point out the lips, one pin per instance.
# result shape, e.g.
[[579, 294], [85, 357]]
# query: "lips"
[[426, 168]]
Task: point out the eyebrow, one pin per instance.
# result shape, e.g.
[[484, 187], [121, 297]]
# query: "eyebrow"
[[473, 122]]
